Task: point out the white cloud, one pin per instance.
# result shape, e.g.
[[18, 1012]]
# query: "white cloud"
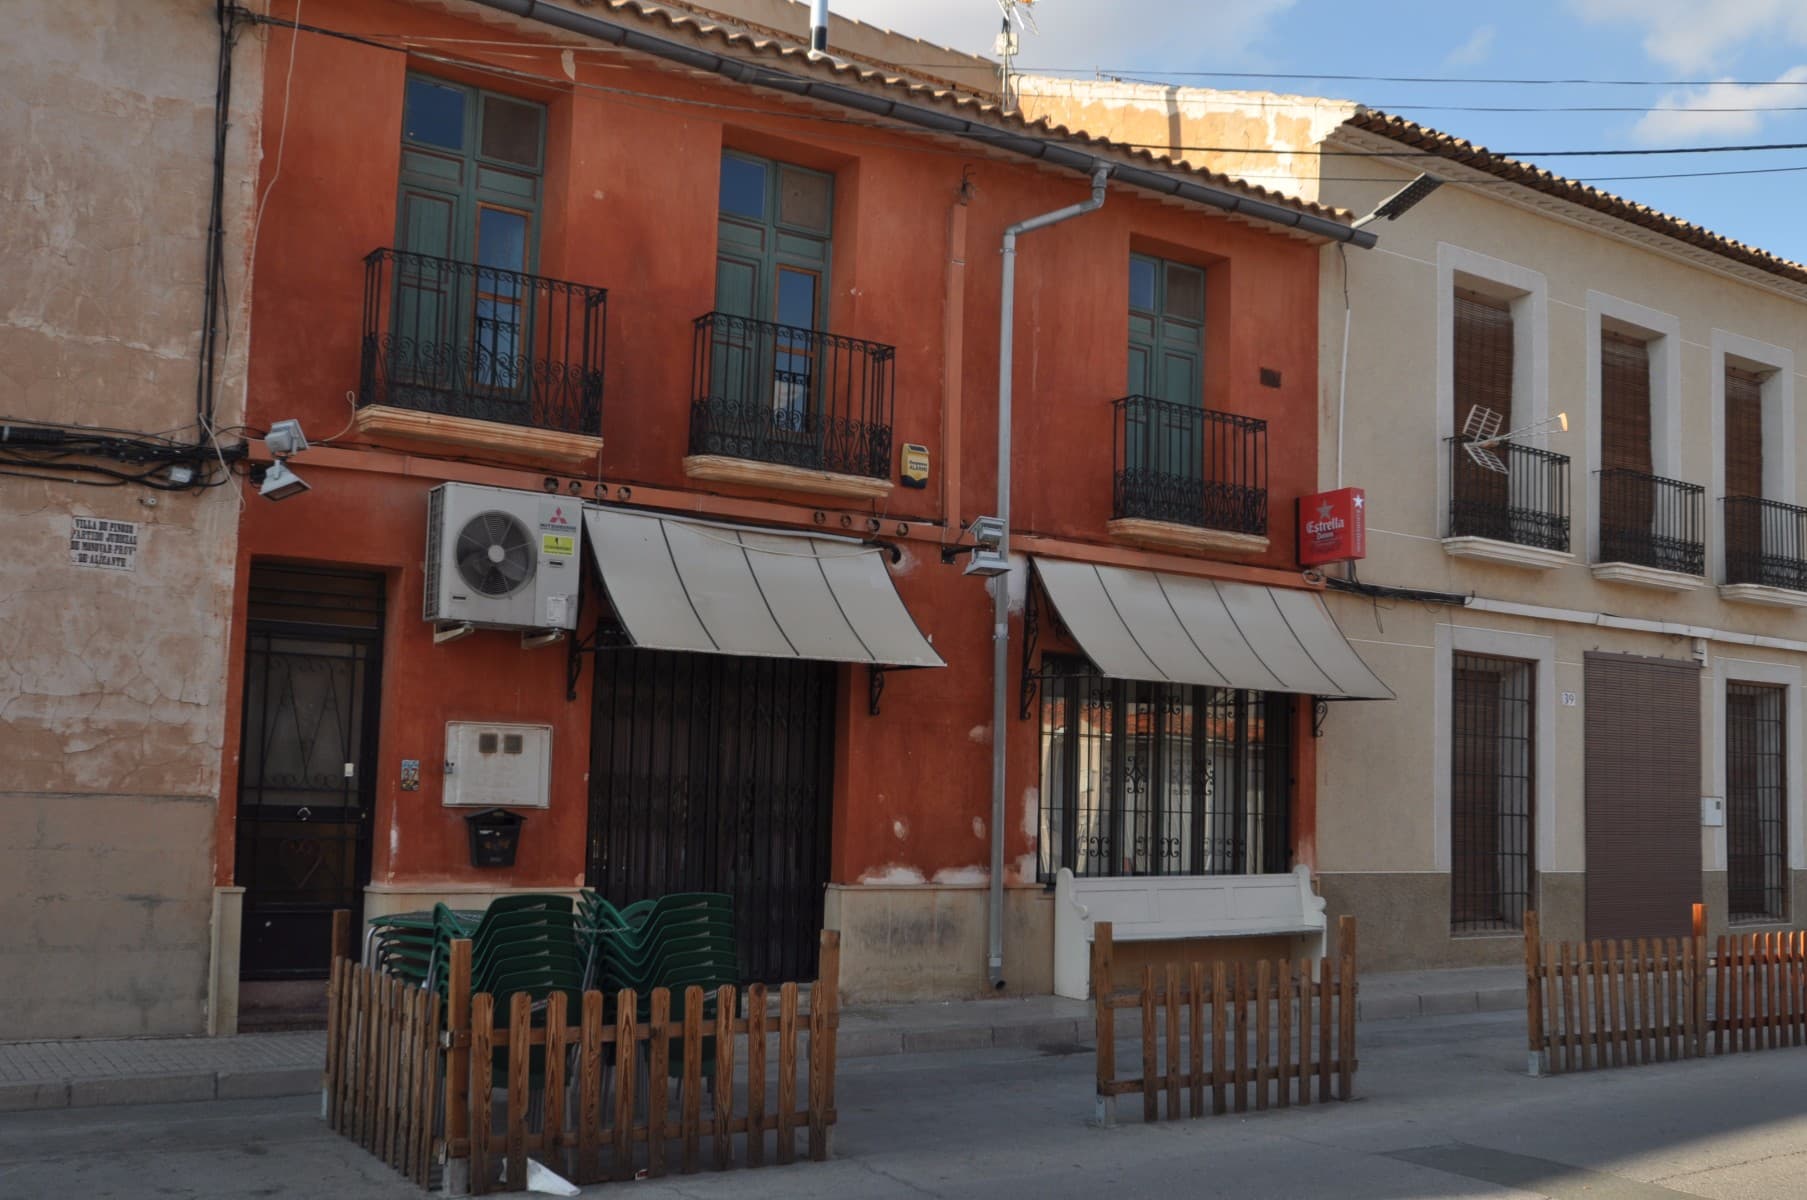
[[1149, 34], [1697, 115], [1698, 35], [1476, 49]]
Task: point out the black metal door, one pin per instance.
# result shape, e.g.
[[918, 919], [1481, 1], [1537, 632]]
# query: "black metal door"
[[712, 773], [306, 776]]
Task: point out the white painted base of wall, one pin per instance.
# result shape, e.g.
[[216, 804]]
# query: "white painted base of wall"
[[226, 930], [1511, 553]]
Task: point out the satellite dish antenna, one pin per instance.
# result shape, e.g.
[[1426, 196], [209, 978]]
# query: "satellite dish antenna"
[[1018, 16], [1481, 429]]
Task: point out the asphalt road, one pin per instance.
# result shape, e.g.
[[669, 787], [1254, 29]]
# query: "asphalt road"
[[1444, 1111]]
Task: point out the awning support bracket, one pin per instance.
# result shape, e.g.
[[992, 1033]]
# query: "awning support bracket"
[[875, 684], [1031, 683], [1320, 709]]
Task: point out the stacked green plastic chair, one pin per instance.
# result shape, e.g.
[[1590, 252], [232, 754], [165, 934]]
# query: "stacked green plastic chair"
[[408, 945], [677, 941]]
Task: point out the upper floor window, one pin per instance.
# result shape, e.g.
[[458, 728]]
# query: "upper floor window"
[[1166, 330], [470, 177]]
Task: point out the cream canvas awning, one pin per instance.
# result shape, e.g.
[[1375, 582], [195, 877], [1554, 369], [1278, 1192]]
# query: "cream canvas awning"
[[682, 584], [1168, 628]]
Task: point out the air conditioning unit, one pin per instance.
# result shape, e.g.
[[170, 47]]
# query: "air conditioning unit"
[[501, 559]]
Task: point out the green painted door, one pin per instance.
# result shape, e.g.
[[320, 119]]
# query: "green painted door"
[[773, 240], [467, 224], [1166, 364]]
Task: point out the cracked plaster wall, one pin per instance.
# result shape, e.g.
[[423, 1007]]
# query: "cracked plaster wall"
[[112, 682]]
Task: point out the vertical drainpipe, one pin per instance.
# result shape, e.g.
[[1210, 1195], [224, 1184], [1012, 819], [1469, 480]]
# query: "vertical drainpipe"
[[1000, 584], [818, 25]]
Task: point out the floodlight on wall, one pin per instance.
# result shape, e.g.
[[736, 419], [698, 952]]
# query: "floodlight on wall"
[[285, 438], [988, 556], [1401, 201], [279, 483]]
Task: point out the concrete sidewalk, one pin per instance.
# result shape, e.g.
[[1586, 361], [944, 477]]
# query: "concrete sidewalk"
[[82, 1073]]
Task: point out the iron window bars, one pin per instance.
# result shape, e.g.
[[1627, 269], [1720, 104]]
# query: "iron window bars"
[[1162, 779], [1765, 542], [791, 396], [1755, 802], [1492, 764], [1650, 521], [466, 340], [1527, 506], [1189, 465]]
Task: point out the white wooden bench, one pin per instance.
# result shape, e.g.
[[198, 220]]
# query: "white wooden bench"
[[1151, 908]]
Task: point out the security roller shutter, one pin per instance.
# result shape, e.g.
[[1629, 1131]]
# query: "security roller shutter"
[[1642, 795]]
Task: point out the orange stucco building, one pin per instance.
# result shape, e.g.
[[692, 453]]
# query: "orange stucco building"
[[655, 157]]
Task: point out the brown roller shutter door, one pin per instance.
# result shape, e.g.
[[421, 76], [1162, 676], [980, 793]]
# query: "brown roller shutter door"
[[1642, 795]]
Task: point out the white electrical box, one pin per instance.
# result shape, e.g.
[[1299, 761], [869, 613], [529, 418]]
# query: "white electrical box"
[[1712, 811], [497, 766]]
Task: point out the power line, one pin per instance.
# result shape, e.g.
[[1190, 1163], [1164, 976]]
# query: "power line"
[[1131, 72], [1230, 102]]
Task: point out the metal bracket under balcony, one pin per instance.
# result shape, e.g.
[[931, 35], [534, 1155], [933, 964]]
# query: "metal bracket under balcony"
[[1652, 531], [1188, 478], [1765, 552], [476, 356], [1519, 517], [780, 406]]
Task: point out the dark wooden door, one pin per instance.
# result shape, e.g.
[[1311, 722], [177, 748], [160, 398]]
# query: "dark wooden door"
[[306, 775], [714, 773], [1642, 795]]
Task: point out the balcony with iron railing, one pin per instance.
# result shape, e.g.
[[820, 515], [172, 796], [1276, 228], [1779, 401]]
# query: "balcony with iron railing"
[[1652, 530], [1189, 477], [478, 356], [781, 406], [1765, 551], [1510, 504]]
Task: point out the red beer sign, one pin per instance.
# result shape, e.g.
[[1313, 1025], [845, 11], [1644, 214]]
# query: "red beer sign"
[[1333, 527]]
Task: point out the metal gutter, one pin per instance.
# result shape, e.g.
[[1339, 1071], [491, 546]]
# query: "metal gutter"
[[1083, 161]]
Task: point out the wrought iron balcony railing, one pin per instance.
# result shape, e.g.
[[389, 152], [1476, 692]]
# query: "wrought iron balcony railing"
[[466, 340], [1650, 521], [1187, 465], [790, 396], [1528, 505], [1765, 543]]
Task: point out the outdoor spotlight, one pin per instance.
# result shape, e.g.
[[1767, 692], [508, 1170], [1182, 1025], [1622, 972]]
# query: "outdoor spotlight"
[[1562, 419], [279, 483], [987, 558], [285, 438]]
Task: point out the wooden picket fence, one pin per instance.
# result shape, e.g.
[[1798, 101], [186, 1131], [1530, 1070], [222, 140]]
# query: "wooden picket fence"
[[382, 1082], [1194, 1014], [477, 1086], [1628, 1002]]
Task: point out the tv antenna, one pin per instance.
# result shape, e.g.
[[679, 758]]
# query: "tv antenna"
[[1018, 16], [1481, 431]]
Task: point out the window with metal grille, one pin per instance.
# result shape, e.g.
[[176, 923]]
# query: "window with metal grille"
[[1492, 755], [1162, 779], [1755, 802]]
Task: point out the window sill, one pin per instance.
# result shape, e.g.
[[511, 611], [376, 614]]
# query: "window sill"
[[1169, 534], [1757, 593], [719, 468], [1650, 577], [1535, 558], [383, 423]]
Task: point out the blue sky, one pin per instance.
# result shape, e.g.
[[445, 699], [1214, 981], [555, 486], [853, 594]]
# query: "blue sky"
[[1726, 44]]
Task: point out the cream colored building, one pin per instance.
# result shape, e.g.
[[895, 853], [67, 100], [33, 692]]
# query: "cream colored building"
[[1602, 719], [114, 599]]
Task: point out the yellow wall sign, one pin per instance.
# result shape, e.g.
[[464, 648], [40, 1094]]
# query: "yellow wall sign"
[[915, 469], [558, 543]]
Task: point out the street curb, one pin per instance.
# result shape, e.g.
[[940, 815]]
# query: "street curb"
[[168, 1088]]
